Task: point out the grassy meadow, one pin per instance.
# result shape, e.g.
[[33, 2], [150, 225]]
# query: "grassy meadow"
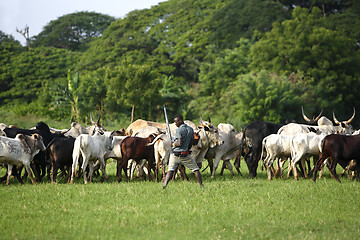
[[226, 208]]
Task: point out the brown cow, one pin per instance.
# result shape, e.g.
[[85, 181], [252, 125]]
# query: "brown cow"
[[136, 148], [340, 149]]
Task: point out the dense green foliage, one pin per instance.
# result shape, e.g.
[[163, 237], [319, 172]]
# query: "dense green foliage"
[[232, 60], [226, 208]]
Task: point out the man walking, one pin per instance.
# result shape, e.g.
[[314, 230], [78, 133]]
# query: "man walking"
[[180, 151]]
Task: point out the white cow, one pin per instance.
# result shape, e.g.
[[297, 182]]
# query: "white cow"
[[91, 148], [276, 146], [304, 145], [20, 151], [231, 142], [325, 126]]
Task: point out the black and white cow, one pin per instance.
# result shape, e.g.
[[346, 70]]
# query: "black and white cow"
[[20, 151]]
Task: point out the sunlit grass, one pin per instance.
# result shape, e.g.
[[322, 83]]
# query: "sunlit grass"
[[226, 208]]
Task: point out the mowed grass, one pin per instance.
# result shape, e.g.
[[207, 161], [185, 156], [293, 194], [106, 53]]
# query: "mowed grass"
[[226, 208]]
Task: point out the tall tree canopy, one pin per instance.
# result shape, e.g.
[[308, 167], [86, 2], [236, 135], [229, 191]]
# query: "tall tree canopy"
[[73, 31]]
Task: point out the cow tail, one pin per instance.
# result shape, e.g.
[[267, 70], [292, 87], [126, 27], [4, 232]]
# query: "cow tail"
[[263, 143], [321, 144], [50, 143], [237, 160], [154, 141], [292, 149], [47, 151], [76, 155]]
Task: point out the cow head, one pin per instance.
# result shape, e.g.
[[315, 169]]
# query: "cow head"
[[33, 144], [346, 127], [38, 141], [211, 132], [96, 126]]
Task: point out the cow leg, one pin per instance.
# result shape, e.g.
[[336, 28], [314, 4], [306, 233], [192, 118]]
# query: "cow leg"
[[312, 168], [228, 165], [237, 162], [28, 170], [131, 168], [54, 171], [289, 170], [308, 165], [163, 168], [333, 168], [304, 167], [295, 171], [318, 166], [278, 171], [183, 172], [280, 167], [85, 176], [103, 170], [211, 165], [268, 163], [72, 174], [119, 168], [222, 168], [216, 164], [9, 172], [269, 172], [83, 167], [151, 166], [122, 165], [357, 169], [17, 173], [237, 167]]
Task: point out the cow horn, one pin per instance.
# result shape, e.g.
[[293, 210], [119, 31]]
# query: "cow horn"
[[335, 120], [92, 120], [303, 114], [319, 116], [209, 120], [201, 121], [98, 121], [352, 117]]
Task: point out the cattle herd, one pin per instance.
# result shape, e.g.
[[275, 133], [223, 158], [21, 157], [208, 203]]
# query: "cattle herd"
[[144, 148]]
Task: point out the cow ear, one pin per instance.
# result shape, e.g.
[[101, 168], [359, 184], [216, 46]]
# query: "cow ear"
[[20, 136]]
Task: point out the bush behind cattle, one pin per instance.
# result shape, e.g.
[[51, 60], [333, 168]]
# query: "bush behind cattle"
[[226, 208]]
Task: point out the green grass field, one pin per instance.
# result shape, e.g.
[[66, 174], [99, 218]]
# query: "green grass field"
[[226, 208]]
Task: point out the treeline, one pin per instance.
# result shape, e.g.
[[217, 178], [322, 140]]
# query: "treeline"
[[232, 60]]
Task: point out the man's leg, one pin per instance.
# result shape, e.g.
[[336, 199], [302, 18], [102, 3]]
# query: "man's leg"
[[168, 177], [198, 177]]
